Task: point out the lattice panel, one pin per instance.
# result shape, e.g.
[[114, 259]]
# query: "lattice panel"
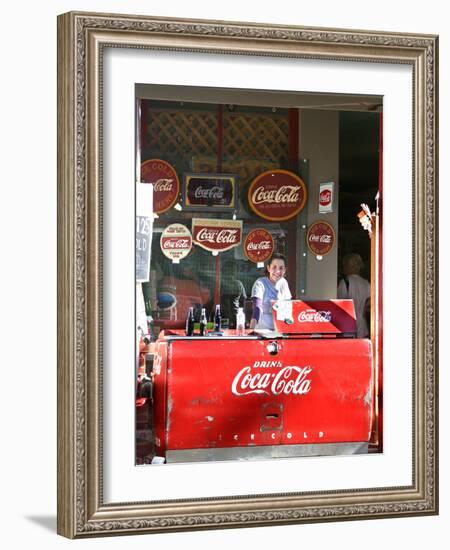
[[252, 142], [256, 136], [182, 133]]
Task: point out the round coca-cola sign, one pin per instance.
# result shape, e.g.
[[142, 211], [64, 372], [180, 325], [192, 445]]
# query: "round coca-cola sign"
[[277, 195], [166, 185], [320, 238], [258, 245], [176, 242], [325, 197]]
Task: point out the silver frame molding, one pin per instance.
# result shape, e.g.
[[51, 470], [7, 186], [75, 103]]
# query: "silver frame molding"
[[81, 510]]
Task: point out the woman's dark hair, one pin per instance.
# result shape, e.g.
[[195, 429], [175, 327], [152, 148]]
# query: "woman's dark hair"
[[275, 256]]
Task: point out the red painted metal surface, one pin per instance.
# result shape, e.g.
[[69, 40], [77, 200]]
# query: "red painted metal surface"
[[315, 317], [217, 393]]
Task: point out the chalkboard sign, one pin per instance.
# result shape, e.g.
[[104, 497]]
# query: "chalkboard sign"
[[143, 248]]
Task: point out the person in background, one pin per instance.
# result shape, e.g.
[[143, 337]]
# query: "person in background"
[[353, 286], [273, 286], [232, 292]]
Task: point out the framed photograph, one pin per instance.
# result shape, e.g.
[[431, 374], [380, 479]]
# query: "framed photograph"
[[296, 424]]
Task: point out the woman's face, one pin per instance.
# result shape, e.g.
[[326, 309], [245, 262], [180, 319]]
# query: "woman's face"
[[276, 270]]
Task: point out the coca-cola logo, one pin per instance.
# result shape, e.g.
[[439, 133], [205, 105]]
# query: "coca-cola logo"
[[325, 197], [320, 238], [263, 245], [285, 194], [258, 245], [209, 191], [277, 195], [313, 316], [166, 185], [219, 236], [176, 242], [216, 235], [163, 184], [272, 378]]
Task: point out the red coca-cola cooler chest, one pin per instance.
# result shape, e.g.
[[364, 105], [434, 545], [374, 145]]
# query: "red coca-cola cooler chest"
[[304, 389]]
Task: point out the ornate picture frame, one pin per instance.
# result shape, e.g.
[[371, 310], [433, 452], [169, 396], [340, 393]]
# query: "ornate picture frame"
[[82, 509]]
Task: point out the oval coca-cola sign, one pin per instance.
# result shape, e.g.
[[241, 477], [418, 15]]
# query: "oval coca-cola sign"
[[176, 242], [166, 185], [258, 245], [320, 238], [277, 195]]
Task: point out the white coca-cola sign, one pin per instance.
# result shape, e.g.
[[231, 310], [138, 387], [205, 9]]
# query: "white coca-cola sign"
[[313, 316], [277, 195], [176, 242], [216, 235], [273, 379], [326, 197]]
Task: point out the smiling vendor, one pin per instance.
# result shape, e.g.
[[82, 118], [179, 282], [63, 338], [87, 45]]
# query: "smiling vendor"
[[273, 286]]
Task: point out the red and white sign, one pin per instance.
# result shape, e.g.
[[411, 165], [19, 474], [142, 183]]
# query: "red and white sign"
[[315, 317], [258, 245], [326, 197], [176, 242], [216, 235], [166, 185], [320, 238], [277, 195]]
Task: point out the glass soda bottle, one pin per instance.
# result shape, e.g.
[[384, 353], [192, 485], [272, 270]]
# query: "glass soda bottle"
[[217, 319], [203, 322], [190, 322]]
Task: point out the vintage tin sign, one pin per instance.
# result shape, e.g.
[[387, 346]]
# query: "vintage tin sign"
[[277, 195], [314, 317], [216, 235], [166, 185], [214, 394], [320, 238], [207, 192], [258, 245], [326, 195], [176, 242]]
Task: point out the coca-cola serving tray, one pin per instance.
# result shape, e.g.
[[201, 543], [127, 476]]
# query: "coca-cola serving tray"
[[139, 99]]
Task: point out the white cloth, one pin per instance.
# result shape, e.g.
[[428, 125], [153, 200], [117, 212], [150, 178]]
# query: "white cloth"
[[359, 292], [264, 289]]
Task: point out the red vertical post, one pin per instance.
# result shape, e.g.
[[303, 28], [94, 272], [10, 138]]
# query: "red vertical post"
[[379, 336]]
